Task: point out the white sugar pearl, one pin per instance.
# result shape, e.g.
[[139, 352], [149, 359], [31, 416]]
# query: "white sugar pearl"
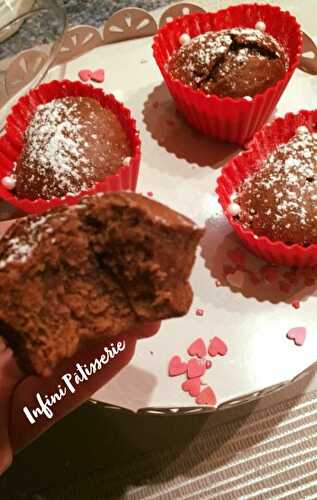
[[260, 25], [247, 98], [302, 130], [184, 39], [126, 161], [9, 182], [234, 209]]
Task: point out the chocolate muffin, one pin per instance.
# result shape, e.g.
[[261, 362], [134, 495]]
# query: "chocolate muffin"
[[92, 270], [237, 62], [69, 145], [280, 200]]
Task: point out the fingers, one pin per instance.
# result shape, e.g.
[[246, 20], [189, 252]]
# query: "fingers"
[[9, 377], [70, 377]]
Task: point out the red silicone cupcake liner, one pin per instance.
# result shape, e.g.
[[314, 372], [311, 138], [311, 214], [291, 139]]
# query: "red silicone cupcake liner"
[[243, 166], [233, 120], [12, 142]]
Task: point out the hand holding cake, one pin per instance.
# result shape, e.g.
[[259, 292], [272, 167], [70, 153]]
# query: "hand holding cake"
[[77, 282]]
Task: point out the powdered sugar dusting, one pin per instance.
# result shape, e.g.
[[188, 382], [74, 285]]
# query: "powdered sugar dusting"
[[55, 145], [283, 193], [196, 59], [19, 248]]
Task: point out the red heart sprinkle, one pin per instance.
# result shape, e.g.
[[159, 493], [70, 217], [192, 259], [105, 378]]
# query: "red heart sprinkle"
[[208, 364], [195, 368], [192, 386], [298, 335], [197, 348], [85, 74], [207, 397], [176, 366], [98, 75], [217, 346]]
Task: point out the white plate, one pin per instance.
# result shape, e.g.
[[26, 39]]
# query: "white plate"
[[180, 167]]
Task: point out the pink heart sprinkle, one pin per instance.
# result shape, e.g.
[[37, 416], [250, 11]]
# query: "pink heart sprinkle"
[[176, 367], [207, 397], [85, 74], [195, 368], [150, 194], [192, 386], [197, 348], [298, 335], [217, 346], [98, 75], [200, 312]]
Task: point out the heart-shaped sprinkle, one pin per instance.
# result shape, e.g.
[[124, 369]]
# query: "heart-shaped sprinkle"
[[208, 364], [98, 75], [195, 368], [298, 335], [176, 367], [150, 194], [217, 346], [192, 386], [207, 397], [197, 348], [237, 279], [199, 312], [85, 74]]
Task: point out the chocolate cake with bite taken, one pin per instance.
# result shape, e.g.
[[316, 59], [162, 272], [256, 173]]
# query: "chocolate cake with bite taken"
[[91, 270]]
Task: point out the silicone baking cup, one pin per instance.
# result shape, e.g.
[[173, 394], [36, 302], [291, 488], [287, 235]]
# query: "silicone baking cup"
[[232, 120], [11, 143], [243, 166]]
